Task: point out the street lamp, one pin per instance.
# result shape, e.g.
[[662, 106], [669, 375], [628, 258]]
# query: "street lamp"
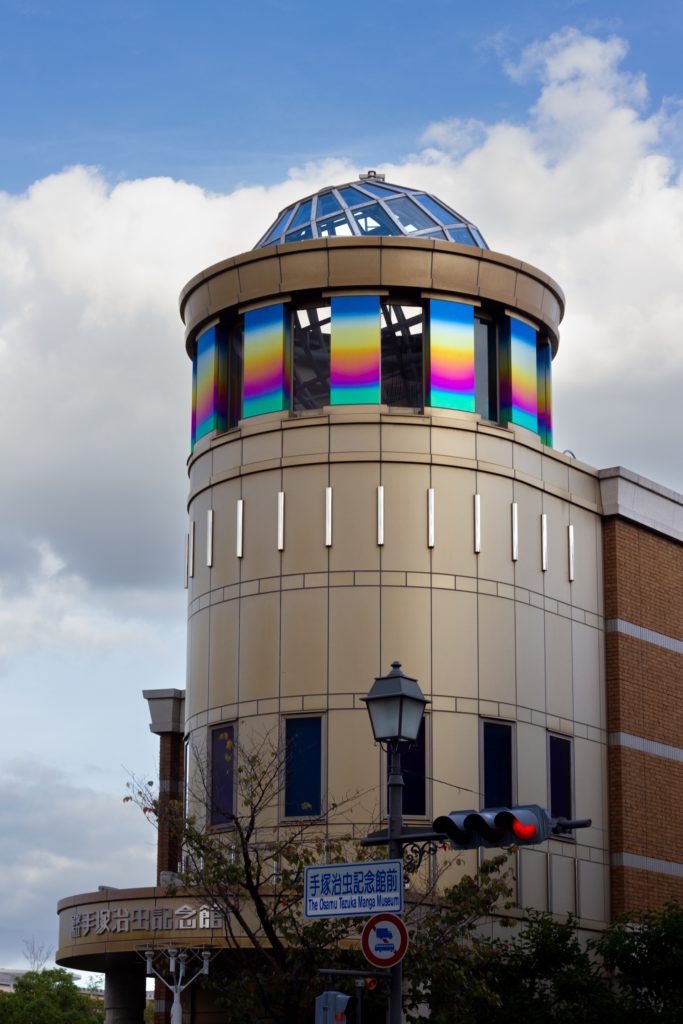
[[178, 962], [396, 707]]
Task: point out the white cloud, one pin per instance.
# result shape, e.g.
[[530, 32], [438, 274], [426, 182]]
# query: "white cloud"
[[59, 837]]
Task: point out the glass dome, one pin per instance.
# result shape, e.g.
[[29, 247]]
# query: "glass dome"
[[370, 206]]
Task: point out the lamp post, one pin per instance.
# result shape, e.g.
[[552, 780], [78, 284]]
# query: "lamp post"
[[396, 707], [177, 965]]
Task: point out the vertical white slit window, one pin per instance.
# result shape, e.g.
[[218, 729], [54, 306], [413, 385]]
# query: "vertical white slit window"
[[281, 520], [570, 551], [190, 553], [477, 524], [544, 542], [239, 540], [328, 517], [380, 515], [209, 537], [514, 525], [187, 560], [430, 517]]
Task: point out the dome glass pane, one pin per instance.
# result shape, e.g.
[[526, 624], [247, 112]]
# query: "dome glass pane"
[[373, 207]]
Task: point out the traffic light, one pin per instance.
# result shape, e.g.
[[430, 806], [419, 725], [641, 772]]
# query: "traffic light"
[[330, 1007], [497, 826]]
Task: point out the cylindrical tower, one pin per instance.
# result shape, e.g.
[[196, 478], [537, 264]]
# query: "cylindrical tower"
[[372, 478]]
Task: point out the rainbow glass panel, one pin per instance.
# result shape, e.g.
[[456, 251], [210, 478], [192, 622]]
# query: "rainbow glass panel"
[[355, 350], [266, 381], [451, 355], [518, 382], [209, 387]]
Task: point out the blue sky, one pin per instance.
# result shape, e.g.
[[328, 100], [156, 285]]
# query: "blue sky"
[[142, 142], [227, 93]]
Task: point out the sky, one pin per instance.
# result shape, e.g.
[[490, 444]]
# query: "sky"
[[140, 142]]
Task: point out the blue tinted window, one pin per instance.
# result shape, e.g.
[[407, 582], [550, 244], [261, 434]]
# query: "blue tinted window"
[[279, 225], [443, 215], [560, 750], [434, 234], [497, 764], [327, 203], [302, 215], [373, 220], [338, 225], [409, 215], [461, 235], [299, 235], [352, 196], [302, 767], [383, 191], [478, 238], [223, 754]]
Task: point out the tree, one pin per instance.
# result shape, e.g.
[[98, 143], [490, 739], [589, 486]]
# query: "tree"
[[37, 953], [643, 955], [49, 997], [251, 869]]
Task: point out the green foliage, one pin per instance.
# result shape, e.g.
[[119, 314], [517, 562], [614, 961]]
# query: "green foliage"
[[644, 958], [49, 997], [458, 965]]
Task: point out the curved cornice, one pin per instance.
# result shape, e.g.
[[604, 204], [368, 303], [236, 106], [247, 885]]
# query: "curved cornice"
[[327, 264]]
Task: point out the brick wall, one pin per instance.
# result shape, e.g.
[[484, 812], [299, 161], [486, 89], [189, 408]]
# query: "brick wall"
[[171, 770], [643, 574]]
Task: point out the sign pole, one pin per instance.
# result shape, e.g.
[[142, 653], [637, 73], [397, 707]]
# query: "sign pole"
[[395, 795]]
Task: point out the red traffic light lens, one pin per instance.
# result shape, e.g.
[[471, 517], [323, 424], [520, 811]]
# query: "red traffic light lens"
[[523, 831]]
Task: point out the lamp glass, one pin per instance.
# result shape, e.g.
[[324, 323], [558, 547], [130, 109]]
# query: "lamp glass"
[[385, 716], [411, 719]]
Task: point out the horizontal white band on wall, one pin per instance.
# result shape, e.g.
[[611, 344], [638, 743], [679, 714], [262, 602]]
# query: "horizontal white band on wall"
[[643, 746], [660, 867], [650, 636]]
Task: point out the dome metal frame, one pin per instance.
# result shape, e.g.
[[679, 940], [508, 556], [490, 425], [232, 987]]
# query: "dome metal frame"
[[366, 207]]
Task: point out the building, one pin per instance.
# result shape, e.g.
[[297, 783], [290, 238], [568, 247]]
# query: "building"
[[372, 478]]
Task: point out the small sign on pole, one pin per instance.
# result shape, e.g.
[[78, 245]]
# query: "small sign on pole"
[[384, 940], [353, 890]]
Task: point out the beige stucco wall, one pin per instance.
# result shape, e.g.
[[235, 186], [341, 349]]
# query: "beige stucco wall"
[[306, 629]]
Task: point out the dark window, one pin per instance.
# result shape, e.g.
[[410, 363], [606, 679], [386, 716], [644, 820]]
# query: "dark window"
[[497, 764], [235, 350], [485, 369], [402, 334], [311, 357], [303, 740], [560, 757], [413, 762], [223, 753]]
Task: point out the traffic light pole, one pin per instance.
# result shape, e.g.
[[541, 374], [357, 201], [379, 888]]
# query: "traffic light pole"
[[395, 799]]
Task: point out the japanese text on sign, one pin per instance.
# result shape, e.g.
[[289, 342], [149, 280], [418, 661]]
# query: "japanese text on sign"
[[353, 890], [146, 919]]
